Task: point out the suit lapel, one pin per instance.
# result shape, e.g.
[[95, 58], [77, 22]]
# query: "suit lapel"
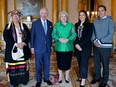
[[40, 22], [41, 26], [47, 26]]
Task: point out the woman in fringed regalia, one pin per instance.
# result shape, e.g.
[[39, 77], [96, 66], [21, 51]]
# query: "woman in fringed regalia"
[[17, 51]]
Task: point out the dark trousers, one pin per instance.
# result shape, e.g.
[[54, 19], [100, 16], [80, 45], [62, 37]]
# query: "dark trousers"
[[101, 55], [42, 59], [83, 58]]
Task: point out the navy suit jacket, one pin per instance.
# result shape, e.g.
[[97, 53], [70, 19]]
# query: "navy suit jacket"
[[39, 41]]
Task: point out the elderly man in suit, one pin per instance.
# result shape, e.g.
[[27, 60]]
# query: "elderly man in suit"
[[41, 42]]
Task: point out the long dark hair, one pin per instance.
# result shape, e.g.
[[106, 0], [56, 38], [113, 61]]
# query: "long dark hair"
[[87, 19], [24, 34]]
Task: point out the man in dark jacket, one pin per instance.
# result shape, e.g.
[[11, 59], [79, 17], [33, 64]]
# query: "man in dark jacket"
[[41, 42]]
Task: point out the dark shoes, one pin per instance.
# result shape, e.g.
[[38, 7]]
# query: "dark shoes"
[[94, 81], [60, 81], [48, 82], [38, 84], [66, 81], [102, 85], [82, 85]]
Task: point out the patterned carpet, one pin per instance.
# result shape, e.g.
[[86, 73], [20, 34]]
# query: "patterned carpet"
[[112, 72], [73, 77], [112, 76]]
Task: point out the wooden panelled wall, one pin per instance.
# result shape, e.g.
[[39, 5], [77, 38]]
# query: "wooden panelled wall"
[[113, 10], [55, 9], [3, 11], [3, 14]]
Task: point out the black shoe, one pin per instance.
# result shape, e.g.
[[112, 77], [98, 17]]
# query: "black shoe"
[[60, 81], [94, 81], [66, 81], [102, 85], [38, 84], [48, 82], [82, 85]]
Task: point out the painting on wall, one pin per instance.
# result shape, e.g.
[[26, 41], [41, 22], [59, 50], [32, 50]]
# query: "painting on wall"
[[29, 7]]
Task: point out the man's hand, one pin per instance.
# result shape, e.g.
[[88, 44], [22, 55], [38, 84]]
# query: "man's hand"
[[97, 43], [32, 50]]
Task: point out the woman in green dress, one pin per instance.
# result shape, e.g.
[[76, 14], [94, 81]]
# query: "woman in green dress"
[[64, 34]]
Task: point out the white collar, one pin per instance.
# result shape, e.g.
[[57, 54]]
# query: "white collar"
[[43, 20], [104, 17]]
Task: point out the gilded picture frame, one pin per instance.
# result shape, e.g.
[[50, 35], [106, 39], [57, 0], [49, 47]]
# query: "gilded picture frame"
[[29, 7]]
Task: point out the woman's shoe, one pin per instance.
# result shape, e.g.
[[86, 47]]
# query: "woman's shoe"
[[66, 81], [82, 85], [60, 81]]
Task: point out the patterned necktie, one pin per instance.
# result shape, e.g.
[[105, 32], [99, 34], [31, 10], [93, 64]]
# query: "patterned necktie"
[[45, 27]]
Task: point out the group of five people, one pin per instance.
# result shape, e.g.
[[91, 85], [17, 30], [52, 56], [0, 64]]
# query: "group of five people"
[[67, 37]]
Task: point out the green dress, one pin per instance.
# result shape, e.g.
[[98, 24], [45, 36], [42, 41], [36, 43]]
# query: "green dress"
[[64, 31]]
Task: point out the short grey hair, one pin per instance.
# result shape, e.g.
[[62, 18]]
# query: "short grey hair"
[[63, 12], [44, 8]]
